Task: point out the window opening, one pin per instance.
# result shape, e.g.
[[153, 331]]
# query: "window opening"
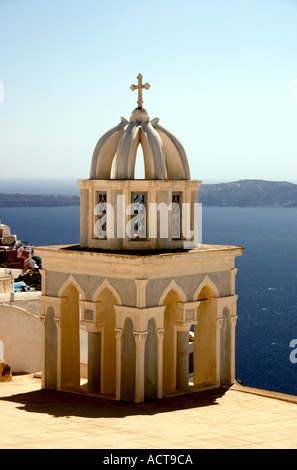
[[138, 225], [176, 215], [101, 213]]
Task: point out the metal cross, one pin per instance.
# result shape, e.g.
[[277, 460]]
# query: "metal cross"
[[140, 87]]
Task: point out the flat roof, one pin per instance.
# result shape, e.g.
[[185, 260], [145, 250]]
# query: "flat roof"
[[234, 418]]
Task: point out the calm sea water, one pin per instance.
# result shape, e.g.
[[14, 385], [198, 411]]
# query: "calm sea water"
[[266, 282]]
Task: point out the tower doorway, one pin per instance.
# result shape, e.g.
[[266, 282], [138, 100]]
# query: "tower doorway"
[[204, 351], [70, 341]]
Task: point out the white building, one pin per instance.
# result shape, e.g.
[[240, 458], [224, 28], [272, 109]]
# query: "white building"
[[139, 280]]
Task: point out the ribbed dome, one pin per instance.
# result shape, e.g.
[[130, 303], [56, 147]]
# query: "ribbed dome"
[[164, 156]]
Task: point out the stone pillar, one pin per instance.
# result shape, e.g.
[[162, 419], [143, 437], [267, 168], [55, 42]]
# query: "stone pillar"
[[50, 350], [218, 351], [56, 303], [43, 273], [187, 316], [140, 338], [182, 375], [90, 319], [43, 306], [160, 362], [141, 292], [228, 302], [233, 273], [59, 354], [94, 361], [42, 318], [232, 347], [118, 333]]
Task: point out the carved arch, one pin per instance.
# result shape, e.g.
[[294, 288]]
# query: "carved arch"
[[106, 285], [172, 285], [73, 282], [207, 282]]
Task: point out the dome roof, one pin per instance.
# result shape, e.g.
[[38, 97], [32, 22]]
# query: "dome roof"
[[164, 156]]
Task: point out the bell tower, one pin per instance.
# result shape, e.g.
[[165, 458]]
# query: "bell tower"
[[119, 212], [157, 305]]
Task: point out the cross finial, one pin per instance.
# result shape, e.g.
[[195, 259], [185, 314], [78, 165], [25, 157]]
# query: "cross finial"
[[140, 87]]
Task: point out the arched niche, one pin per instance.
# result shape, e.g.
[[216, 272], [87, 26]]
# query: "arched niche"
[[205, 339], [107, 285], [72, 282], [50, 350], [206, 290], [225, 348], [70, 338], [128, 354], [173, 286], [105, 295], [172, 299], [151, 362]]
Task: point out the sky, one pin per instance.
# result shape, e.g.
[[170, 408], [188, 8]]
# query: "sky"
[[223, 77]]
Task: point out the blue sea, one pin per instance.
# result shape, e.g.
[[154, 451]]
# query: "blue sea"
[[266, 282]]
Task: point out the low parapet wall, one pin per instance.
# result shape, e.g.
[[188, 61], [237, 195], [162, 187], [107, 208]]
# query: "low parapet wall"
[[20, 332]]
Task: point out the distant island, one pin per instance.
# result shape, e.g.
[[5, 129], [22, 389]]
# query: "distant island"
[[249, 193], [38, 200], [243, 193]]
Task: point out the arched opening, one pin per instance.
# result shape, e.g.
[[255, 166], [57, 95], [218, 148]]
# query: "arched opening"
[[139, 169], [225, 348], [128, 362], [83, 353], [151, 362], [191, 356], [170, 342], [204, 355], [108, 348], [50, 350], [70, 340]]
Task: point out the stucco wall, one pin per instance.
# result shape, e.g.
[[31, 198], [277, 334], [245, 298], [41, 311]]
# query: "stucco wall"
[[20, 332], [126, 288], [189, 284]]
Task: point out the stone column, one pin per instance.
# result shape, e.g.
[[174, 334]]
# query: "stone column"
[[140, 338], [56, 303], [50, 351], [43, 273], [229, 303], [91, 321], [118, 333], [59, 353], [218, 350], [160, 362], [94, 361], [43, 320], [182, 375], [187, 316], [141, 292], [233, 273], [232, 347], [43, 307]]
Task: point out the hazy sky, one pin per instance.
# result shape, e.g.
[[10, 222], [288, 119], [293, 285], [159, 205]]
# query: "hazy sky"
[[223, 76]]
